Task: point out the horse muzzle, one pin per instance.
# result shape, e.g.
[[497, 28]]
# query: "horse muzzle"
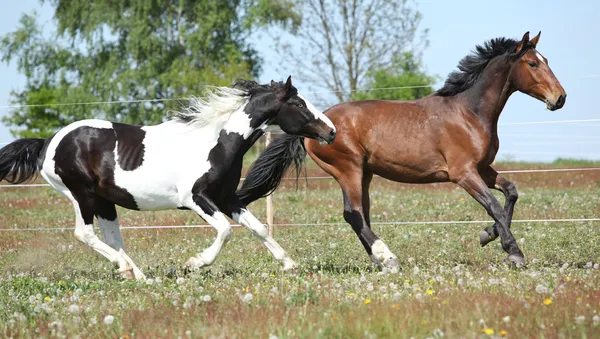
[[558, 104]]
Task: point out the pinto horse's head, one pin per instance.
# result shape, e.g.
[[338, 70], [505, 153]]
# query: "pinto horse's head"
[[531, 74], [298, 116]]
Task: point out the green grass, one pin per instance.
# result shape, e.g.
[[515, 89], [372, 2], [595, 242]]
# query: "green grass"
[[51, 285]]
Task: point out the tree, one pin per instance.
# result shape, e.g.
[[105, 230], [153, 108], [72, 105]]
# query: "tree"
[[341, 42], [387, 84], [112, 50]]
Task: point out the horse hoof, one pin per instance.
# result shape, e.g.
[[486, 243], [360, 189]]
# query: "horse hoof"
[[515, 261], [485, 237], [289, 265], [128, 274], [392, 265]]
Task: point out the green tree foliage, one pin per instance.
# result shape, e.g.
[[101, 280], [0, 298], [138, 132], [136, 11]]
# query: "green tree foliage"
[[405, 72], [114, 50], [341, 44]]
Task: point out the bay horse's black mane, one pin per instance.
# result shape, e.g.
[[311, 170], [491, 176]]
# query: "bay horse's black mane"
[[471, 66]]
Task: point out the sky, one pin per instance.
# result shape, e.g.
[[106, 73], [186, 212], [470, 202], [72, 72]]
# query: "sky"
[[569, 41]]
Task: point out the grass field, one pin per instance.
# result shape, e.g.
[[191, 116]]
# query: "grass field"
[[51, 285]]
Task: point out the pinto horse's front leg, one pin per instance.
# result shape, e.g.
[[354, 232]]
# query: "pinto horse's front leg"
[[472, 182], [206, 208], [496, 181], [238, 212]]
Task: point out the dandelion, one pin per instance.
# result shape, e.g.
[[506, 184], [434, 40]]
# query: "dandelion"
[[547, 301], [506, 319], [488, 331], [396, 306], [206, 298], [47, 299], [429, 291], [109, 319], [367, 301], [503, 333], [580, 319], [596, 320], [247, 298], [541, 289], [180, 280], [74, 308]]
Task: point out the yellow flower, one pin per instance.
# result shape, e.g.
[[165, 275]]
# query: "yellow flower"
[[47, 299], [368, 301], [396, 306], [503, 333], [547, 301], [569, 278], [430, 291], [431, 280], [488, 331], [407, 280], [351, 294]]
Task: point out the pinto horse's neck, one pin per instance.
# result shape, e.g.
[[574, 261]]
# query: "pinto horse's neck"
[[489, 94]]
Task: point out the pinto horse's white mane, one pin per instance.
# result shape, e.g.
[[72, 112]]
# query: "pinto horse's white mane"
[[216, 107]]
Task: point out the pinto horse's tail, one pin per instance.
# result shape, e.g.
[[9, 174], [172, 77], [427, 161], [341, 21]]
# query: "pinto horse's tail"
[[266, 172], [19, 160]]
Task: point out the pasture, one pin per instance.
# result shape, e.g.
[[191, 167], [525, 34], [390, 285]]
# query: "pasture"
[[50, 284]]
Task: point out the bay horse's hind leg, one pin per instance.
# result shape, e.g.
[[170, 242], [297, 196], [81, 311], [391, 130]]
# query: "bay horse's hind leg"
[[108, 221], [478, 189], [357, 215], [84, 204], [496, 181]]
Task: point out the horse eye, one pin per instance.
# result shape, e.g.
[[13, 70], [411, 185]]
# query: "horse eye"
[[300, 105], [533, 64]]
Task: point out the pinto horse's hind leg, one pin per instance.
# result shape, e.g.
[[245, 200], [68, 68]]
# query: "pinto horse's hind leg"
[[108, 222], [84, 205], [496, 181], [478, 189]]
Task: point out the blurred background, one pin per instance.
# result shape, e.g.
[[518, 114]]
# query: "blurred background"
[[66, 60]]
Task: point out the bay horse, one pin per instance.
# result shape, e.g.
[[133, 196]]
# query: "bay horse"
[[450, 135], [192, 161]]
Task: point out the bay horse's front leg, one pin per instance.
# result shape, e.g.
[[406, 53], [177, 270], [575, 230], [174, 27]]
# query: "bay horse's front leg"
[[496, 181], [472, 182], [239, 213]]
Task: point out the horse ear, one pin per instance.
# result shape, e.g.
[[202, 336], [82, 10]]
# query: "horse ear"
[[522, 43], [535, 39], [285, 92], [288, 85], [273, 83]]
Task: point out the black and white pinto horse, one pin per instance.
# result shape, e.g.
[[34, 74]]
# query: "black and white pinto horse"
[[192, 161]]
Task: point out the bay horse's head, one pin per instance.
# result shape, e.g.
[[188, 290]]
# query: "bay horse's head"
[[531, 74], [298, 116]]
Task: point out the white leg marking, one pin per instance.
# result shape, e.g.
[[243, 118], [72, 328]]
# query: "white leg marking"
[[223, 227], [261, 232], [111, 233], [381, 253], [85, 233]]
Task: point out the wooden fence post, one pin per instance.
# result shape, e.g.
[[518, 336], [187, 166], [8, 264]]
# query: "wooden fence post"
[[269, 197]]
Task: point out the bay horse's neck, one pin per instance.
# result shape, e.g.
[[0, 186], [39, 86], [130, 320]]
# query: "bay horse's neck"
[[489, 94]]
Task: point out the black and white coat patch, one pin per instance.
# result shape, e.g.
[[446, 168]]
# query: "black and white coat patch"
[[193, 161]]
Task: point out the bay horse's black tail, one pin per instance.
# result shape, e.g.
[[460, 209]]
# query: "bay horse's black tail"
[[19, 160], [266, 172]]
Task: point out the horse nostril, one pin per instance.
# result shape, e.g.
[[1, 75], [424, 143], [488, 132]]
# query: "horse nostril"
[[332, 135], [561, 101]]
